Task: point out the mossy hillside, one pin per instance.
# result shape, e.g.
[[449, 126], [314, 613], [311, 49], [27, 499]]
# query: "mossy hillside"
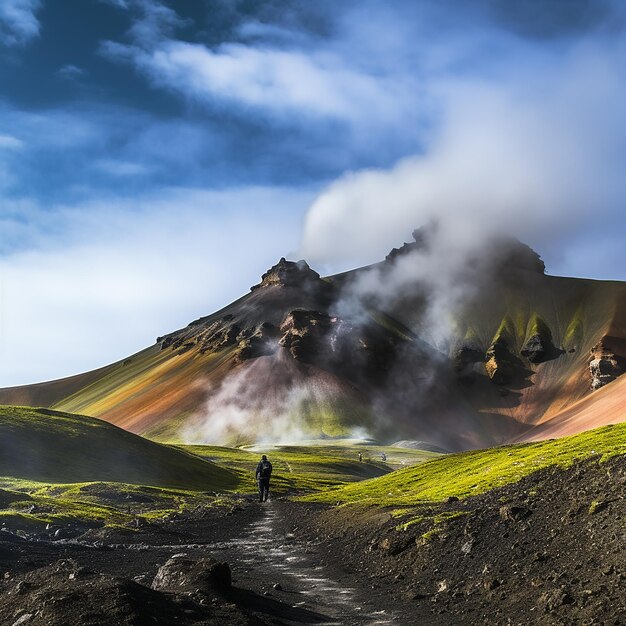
[[315, 467], [30, 506], [471, 473], [537, 326], [53, 447]]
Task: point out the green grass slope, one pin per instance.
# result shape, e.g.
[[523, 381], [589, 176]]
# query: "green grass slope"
[[471, 473], [53, 447], [314, 467]]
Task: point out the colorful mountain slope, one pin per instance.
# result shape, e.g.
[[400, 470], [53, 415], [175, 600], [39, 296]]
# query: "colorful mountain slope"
[[303, 356]]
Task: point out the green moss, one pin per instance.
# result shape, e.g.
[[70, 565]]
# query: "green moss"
[[537, 326], [49, 446], [436, 520], [506, 331], [477, 471], [576, 329]]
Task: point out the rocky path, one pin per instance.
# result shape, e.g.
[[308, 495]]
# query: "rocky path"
[[268, 559]]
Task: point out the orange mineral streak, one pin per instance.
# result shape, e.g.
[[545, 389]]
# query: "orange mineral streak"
[[158, 391], [602, 407]]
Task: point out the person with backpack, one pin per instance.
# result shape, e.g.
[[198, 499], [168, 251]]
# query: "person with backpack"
[[263, 475]]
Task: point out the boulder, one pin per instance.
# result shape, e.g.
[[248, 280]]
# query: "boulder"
[[182, 573], [604, 364], [535, 349], [499, 362], [514, 513]]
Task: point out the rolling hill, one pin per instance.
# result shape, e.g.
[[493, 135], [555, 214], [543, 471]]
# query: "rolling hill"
[[52, 447], [525, 356]]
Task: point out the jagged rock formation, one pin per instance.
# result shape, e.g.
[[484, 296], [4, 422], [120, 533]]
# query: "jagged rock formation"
[[381, 364], [500, 362], [465, 357], [604, 365], [539, 347], [289, 274], [304, 331], [535, 349], [500, 253]]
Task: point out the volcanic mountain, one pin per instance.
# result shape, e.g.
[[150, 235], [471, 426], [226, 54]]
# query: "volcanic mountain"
[[525, 356]]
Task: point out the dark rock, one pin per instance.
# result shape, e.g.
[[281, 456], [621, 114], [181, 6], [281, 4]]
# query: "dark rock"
[[514, 513], [499, 362], [395, 545], [303, 332], [260, 341], [285, 273], [491, 584], [182, 573], [65, 533], [452, 499], [277, 586], [605, 365], [422, 239], [535, 349], [465, 357]]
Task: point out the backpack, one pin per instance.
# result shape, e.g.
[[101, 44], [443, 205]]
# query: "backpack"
[[265, 470]]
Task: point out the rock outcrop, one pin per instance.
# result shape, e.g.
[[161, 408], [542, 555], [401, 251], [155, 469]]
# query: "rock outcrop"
[[303, 332], [285, 273], [500, 363], [465, 357], [605, 366], [539, 347], [256, 342]]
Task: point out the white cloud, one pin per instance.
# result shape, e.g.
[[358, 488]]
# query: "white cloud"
[[99, 282], [18, 21], [71, 72], [9, 142], [121, 168], [277, 81], [537, 151]]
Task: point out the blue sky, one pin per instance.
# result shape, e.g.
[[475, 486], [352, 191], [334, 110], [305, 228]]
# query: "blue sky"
[[156, 157]]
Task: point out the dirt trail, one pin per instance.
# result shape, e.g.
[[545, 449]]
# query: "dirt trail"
[[265, 555]]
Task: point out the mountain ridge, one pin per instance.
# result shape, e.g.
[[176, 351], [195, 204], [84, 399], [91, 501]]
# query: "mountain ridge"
[[311, 355]]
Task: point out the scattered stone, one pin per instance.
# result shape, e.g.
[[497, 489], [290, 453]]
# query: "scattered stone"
[[24, 619], [514, 513], [277, 586], [491, 584]]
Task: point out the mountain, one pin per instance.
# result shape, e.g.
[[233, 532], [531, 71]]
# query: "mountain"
[[492, 351]]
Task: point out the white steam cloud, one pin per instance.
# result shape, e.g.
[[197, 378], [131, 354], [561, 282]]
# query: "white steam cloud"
[[266, 400], [538, 151]]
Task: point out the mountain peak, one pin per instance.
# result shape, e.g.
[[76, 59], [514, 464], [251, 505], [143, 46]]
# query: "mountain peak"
[[288, 274], [501, 252]]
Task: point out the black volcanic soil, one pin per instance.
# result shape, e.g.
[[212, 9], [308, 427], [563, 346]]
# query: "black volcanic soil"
[[548, 550]]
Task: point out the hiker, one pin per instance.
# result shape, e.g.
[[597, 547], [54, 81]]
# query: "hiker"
[[360, 458], [263, 474], [383, 457]]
